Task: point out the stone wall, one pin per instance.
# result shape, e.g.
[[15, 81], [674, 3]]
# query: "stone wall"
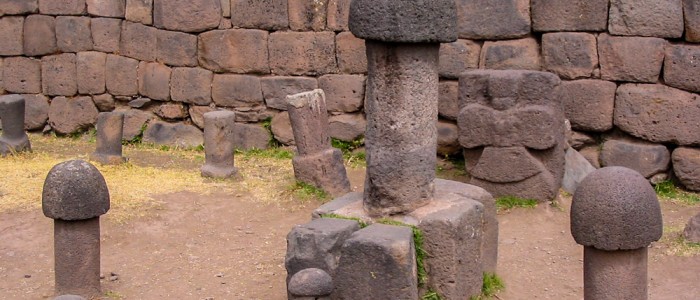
[[630, 67]]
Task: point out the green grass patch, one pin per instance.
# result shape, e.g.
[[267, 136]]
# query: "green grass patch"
[[113, 295], [431, 295], [351, 154], [492, 285], [669, 191], [137, 139], [363, 224], [506, 203], [306, 191], [274, 153]]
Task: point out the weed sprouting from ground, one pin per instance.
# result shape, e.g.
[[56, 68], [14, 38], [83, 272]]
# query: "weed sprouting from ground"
[[506, 203], [351, 154], [669, 191], [676, 244], [492, 285], [113, 295], [138, 138], [305, 191], [431, 295]]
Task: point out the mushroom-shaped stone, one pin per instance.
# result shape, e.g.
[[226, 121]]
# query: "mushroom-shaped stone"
[[69, 297], [615, 208], [74, 190], [310, 283], [404, 21]]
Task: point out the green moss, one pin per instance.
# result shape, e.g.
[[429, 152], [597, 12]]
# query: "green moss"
[[306, 191], [668, 190], [363, 224], [510, 202]]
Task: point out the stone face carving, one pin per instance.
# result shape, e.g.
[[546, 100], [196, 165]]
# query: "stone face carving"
[[513, 132]]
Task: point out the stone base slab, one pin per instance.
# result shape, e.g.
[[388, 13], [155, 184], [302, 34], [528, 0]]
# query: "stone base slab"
[[14, 146], [323, 169], [213, 171], [108, 159]]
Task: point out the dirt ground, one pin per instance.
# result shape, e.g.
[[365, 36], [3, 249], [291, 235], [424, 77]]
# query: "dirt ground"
[[232, 245]]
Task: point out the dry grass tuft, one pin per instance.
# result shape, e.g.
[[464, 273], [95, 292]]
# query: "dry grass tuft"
[[676, 244]]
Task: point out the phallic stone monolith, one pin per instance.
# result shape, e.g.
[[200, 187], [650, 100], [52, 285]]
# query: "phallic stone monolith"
[[219, 144], [14, 139], [316, 163], [75, 195], [615, 215], [110, 128]]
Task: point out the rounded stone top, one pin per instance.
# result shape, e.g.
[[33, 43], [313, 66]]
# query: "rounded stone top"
[[310, 283], [615, 208], [404, 21], [74, 190]]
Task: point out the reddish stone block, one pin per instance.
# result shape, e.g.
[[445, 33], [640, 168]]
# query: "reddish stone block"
[[176, 48], [347, 127], [307, 15], [73, 34], [106, 33], [187, 15], [569, 15], [122, 78], [570, 55], [106, 8], [302, 53], [230, 90], [18, 7], [197, 114], [138, 41], [21, 75], [522, 54], [588, 104], [338, 14], [140, 11], [39, 35], [91, 72], [655, 18], [71, 115], [682, 68], [191, 85], [344, 93], [488, 19], [11, 35], [2, 86], [154, 81], [36, 111], [691, 12], [260, 14], [351, 53], [275, 89], [457, 57], [235, 50], [171, 111], [634, 59], [62, 7], [59, 75], [448, 100]]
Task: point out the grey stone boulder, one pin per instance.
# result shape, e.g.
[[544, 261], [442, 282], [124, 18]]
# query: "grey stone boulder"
[[281, 127], [134, 121], [36, 111], [310, 283], [686, 166], [177, 135], [615, 208], [576, 168], [74, 190], [488, 19], [646, 158], [448, 138], [70, 115], [692, 230], [250, 136], [347, 127]]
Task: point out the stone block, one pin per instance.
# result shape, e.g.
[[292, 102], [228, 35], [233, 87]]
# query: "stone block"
[[2, 86], [691, 12], [14, 139], [309, 119], [448, 138], [251, 136], [658, 113], [592, 154], [140, 11], [275, 89], [197, 114], [310, 284], [235, 51], [106, 8], [254, 114], [154, 81], [347, 127], [172, 111], [457, 57], [123, 75], [106, 34], [577, 167], [134, 120], [231, 90], [487, 19], [691, 233], [378, 260], [323, 169], [350, 52], [578, 140], [448, 103], [138, 41], [344, 93], [91, 74], [104, 102], [59, 75], [18, 7], [569, 15], [36, 111], [71, 115], [570, 55], [522, 54], [646, 158], [73, 34], [656, 18], [281, 127], [404, 21], [177, 135], [62, 7], [681, 67], [39, 35], [21, 75], [109, 132], [11, 35], [307, 15], [176, 48], [257, 14], [187, 15], [302, 53], [191, 85], [588, 104], [633, 59], [686, 167], [74, 190], [338, 14]]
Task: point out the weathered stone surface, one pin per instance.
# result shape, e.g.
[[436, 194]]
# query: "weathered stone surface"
[[110, 129], [448, 103], [457, 57], [691, 233], [2, 86], [218, 144], [448, 138], [576, 169], [171, 111], [104, 102], [323, 169], [197, 114], [11, 35], [275, 89], [106, 8], [281, 127], [74, 190], [176, 48], [615, 274], [139, 102], [404, 21], [657, 18], [338, 15], [154, 81], [70, 115], [307, 15], [486, 19], [235, 50], [634, 59], [266, 14], [77, 243], [347, 127], [62, 7], [578, 140], [350, 52], [251, 136], [344, 93], [106, 34], [177, 135], [658, 113], [691, 12], [592, 154], [39, 35], [36, 111], [231, 90], [568, 15], [388, 253], [309, 119], [134, 121], [570, 55], [615, 208], [73, 34], [646, 158], [138, 41], [21, 75], [191, 85], [588, 104], [254, 114], [187, 15], [69, 297], [310, 283], [123, 75], [18, 7], [302, 53], [681, 67], [686, 166], [140, 11], [91, 72], [521, 54], [14, 139], [59, 75]]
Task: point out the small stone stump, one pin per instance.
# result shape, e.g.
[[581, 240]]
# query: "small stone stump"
[[219, 144], [615, 215], [110, 128], [316, 163], [14, 139], [691, 233], [75, 195]]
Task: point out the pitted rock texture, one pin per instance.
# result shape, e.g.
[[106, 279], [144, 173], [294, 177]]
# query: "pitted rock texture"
[[646, 158], [686, 166], [692, 230], [311, 283], [74, 190]]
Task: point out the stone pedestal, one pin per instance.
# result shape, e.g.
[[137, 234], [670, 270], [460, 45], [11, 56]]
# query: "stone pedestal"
[[77, 257], [110, 128], [14, 139], [219, 144], [612, 275]]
